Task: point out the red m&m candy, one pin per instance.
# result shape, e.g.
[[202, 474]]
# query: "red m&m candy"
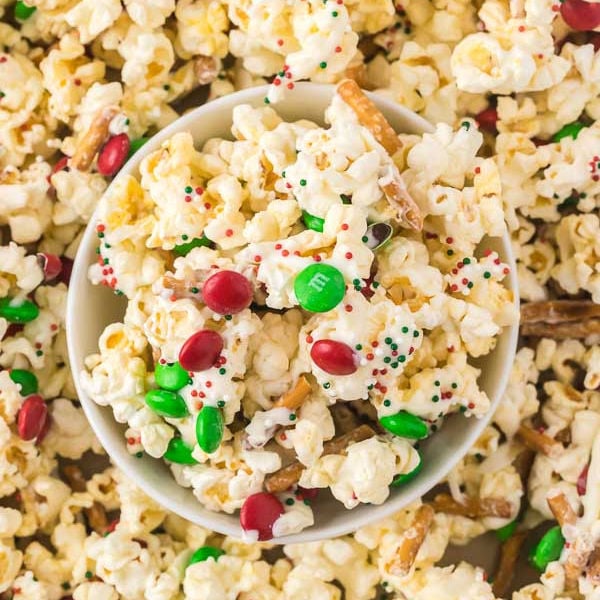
[[32, 417], [201, 350], [113, 155], [334, 357], [227, 292], [259, 513], [580, 15]]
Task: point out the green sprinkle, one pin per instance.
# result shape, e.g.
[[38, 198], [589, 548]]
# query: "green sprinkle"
[[358, 346], [466, 125], [470, 284], [307, 502], [454, 386], [364, 239], [39, 353], [189, 189], [303, 182], [88, 574], [394, 365], [387, 402], [487, 274], [387, 360], [266, 100], [402, 358], [463, 409], [334, 13], [221, 403], [105, 261], [100, 235], [345, 199], [222, 371], [437, 383], [228, 317], [416, 333], [405, 329], [98, 250], [435, 398], [139, 454], [184, 237], [194, 290], [326, 385], [65, 585], [107, 245], [290, 501], [323, 65], [466, 261], [450, 252], [394, 346], [166, 87], [388, 340], [292, 417]]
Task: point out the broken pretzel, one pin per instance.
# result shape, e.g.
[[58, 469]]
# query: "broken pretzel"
[[93, 140], [286, 477], [509, 555], [474, 508], [294, 398], [412, 540], [560, 319], [540, 442]]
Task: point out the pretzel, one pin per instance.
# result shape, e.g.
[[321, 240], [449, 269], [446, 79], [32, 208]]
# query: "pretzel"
[[369, 115], [286, 477], [509, 555], [344, 418], [92, 141], [473, 508], [593, 568], [559, 311], [398, 197], [562, 510], [560, 319], [294, 398], [205, 69], [540, 442], [412, 540], [74, 477]]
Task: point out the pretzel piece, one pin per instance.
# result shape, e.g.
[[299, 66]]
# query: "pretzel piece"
[[369, 115], [562, 510], [559, 311], [562, 331], [92, 141], [540, 442], [286, 477], [398, 197], [294, 398], [509, 555], [473, 508], [412, 540], [593, 568]]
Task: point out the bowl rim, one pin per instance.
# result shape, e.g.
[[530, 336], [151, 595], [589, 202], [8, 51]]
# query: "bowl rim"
[[113, 446]]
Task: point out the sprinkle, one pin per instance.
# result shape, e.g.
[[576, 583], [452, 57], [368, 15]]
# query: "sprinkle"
[[326, 385], [302, 182], [338, 49], [358, 346], [405, 329], [289, 501], [323, 65], [470, 284], [345, 228], [348, 255], [387, 360], [449, 240], [435, 398], [285, 253], [280, 42], [257, 258], [521, 28], [221, 403], [292, 417], [402, 358], [88, 574], [290, 86], [208, 384], [471, 405], [416, 333], [137, 455], [487, 274], [229, 232], [370, 356], [454, 386], [278, 246], [348, 308], [277, 81], [309, 339], [316, 258], [450, 252], [199, 190], [266, 100], [194, 290], [334, 13], [466, 261], [388, 340], [188, 198], [188, 189], [184, 237], [477, 170], [222, 371]]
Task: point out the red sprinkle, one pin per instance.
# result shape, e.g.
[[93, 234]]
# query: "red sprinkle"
[[345, 226], [229, 232], [348, 308], [285, 253], [348, 255]]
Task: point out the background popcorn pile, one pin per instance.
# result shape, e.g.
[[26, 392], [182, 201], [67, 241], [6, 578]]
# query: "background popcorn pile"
[[520, 71]]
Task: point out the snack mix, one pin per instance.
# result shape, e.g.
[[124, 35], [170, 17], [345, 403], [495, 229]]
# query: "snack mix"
[[230, 357]]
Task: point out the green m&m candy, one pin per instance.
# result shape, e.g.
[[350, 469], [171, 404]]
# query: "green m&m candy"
[[166, 403], [204, 553], [170, 376], [26, 379], [548, 548], [319, 287], [505, 532], [22, 11], [179, 452], [403, 478], [571, 130], [183, 249], [312, 222], [404, 424], [135, 145], [209, 429], [18, 312]]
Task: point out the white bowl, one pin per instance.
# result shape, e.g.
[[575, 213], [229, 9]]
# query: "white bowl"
[[90, 308]]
